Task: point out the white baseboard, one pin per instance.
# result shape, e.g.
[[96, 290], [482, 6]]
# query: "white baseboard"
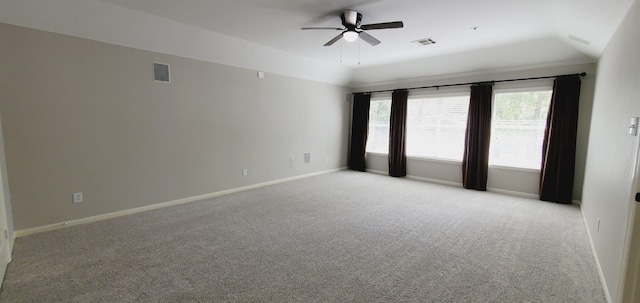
[[436, 181], [456, 184], [417, 178], [55, 226], [513, 193], [378, 172], [607, 295]]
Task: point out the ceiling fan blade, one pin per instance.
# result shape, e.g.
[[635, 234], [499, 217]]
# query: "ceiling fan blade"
[[396, 24], [369, 39], [334, 40], [329, 28]]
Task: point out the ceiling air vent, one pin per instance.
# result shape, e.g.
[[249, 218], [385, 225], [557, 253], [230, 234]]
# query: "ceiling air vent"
[[425, 41]]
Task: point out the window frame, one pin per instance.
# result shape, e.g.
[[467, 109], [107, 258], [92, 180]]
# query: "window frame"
[[378, 98], [507, 87], [532, 87], [455, 92]]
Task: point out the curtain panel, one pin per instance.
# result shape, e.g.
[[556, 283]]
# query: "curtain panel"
[[475, 161], [398, 134], [359, 131], [559, 144]]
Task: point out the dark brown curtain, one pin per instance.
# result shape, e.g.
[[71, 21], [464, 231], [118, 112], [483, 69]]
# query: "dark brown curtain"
[[397, 134], [475, 162], [359, 131], [559, 145]]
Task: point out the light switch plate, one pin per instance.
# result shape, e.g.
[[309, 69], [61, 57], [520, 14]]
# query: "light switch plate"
[[77, 197], [633, 126]]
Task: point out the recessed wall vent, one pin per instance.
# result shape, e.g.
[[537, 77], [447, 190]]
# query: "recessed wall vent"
[[425, 41], [161, 72]]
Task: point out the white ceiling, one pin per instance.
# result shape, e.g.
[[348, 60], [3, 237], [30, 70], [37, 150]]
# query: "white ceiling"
[[277, 23], [509, 33]]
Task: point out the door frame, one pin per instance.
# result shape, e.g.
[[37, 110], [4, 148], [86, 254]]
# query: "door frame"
[[5, 237], [629, 288]]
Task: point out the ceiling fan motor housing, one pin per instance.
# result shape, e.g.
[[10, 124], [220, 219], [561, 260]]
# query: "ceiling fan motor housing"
[[351, 19]]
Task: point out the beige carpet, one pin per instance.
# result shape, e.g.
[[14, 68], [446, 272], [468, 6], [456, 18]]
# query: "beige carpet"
[[340, 237]]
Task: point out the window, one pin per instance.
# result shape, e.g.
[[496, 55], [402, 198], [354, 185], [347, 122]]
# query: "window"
[[378, 137], [517, 128], [436, 126]]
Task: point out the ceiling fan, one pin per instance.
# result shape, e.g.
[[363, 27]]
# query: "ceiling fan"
[[353, 29]]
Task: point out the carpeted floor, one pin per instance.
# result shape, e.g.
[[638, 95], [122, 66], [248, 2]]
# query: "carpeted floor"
[[339, 237]]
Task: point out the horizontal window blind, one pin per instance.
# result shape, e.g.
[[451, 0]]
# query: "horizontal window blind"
[[436, 126], [517, 128], [378, 137]]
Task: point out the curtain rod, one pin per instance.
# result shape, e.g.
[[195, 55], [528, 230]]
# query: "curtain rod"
[[472, 83]]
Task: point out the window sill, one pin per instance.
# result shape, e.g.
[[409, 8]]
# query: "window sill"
[[418, 158], [428, 159], [529, 170], [377, 154], [449, 161]]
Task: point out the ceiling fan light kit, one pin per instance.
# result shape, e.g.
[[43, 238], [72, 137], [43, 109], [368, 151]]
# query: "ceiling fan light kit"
[[353, 29], [350, 36]]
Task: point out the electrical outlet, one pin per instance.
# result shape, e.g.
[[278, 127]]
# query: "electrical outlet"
[[245, 172], [77, 197], [326, 159]]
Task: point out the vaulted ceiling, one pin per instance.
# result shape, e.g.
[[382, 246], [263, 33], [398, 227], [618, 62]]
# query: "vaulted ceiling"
[[470, 35]]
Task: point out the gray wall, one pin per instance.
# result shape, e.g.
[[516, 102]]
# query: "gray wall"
[[610, 164], [515, 181], [80, 115]]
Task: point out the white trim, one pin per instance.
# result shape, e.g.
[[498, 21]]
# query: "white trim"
[[512, 193], [381, 96], [628, 248], [533, 87], [377, 154], [456, 184], [536, 70], [429, 93], [436, 181], [417, 178], [438, 160], [55, 226], [607, 296], [514, 168], [378, 172]]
